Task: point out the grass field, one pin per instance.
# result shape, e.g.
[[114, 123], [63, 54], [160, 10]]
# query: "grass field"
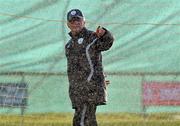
[[118, 119]]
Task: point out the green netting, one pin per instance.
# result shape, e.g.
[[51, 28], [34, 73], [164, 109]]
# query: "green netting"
[[33, 34]]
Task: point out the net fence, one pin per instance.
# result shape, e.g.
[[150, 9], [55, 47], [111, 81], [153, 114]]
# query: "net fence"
[[48, 99], [33, 79]]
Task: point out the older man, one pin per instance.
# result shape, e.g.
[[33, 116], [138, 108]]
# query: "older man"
[[87, 88]]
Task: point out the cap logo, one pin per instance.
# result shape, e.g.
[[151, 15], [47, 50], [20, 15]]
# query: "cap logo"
[[73, 12]]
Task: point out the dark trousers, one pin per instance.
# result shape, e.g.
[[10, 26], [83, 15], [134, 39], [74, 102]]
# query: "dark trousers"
[[85, 115]]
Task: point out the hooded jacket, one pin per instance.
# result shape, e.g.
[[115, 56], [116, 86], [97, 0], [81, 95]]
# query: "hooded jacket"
[[84, 67]]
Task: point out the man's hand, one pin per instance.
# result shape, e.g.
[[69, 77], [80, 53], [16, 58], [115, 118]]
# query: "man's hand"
[[107, 82], [100, 31]]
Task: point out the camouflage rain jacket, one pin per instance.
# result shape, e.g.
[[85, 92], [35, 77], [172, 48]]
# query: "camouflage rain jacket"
[[84, 67]]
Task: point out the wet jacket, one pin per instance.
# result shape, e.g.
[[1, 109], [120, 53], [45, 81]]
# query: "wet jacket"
[[84, 67]]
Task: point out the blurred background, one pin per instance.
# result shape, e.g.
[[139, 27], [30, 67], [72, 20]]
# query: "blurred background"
[[146, 50]]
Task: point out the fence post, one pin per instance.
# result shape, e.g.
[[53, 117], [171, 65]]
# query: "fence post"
[[142, 93]]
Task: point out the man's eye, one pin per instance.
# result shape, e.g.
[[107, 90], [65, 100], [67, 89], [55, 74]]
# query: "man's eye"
[[75, 19]]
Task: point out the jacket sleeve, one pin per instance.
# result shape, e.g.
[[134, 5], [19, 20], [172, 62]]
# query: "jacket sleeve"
[[67, 46], [105, 42]]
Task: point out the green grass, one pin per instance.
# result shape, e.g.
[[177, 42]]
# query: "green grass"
[[106, 119]]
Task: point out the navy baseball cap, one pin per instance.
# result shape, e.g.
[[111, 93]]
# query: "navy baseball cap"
[[74, 13]]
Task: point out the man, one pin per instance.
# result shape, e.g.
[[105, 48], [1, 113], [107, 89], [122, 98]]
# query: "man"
[[87, 88]]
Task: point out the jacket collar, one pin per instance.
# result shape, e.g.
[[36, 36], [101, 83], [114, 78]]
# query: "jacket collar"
[[82, 33]]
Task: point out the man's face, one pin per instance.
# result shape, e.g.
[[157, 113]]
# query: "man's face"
[[76, 24]]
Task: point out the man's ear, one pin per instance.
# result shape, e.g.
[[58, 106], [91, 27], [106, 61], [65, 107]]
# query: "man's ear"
[[84, 23], [68, 24]]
